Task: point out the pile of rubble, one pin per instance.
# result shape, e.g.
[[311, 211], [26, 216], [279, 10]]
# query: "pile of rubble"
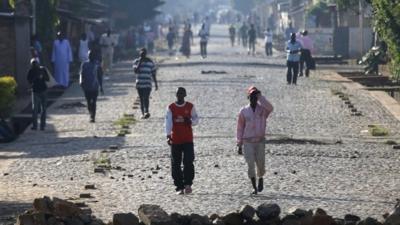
[[56, 211]]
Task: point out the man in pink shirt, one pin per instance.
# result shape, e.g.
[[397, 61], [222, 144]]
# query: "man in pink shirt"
[[251, 126], [306, 52]]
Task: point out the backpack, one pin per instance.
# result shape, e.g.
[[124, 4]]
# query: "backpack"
[[88, 78]]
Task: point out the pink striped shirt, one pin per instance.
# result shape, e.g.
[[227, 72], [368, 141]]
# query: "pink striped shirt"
[[251, 124]]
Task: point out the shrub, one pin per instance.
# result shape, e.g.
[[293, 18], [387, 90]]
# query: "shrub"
[[7, 95]]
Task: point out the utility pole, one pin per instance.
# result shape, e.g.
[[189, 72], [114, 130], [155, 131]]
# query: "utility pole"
[[361, 23], [33, 4]]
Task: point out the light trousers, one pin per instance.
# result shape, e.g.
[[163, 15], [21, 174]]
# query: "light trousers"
[[254, 154]]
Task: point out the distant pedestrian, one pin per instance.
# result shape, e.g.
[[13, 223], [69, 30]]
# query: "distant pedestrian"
[[181, 116], [268, 42], [171, 40], [37, 78], [232, 34], [61, 59], [83, 48], [293, 49], [288, 31], [252, 34], [91, 81], [306, 53], [244, 34], [203, 34], [251, 127], [107, 43], [207, 25], [145, 71], [187, 38], [37, 46]]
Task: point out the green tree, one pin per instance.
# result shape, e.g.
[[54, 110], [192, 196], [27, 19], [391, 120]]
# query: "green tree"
[[244, 6], [387, 24], [134, 12]]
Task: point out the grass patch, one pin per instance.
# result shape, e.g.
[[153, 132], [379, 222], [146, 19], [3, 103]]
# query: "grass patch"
[[103, 161], [378, 131], [126, 120], [391, 142]]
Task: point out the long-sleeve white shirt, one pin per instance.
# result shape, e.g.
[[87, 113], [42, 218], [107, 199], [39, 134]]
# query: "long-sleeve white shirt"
[[169, 122]]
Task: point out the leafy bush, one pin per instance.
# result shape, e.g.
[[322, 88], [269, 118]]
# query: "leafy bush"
[[387, 23], [7, 95]]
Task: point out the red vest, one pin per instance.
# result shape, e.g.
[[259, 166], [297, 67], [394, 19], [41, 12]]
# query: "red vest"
[[181, 132]]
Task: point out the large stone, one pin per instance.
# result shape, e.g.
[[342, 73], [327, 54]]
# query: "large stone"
[[291, 219], [233, 219], [322, 220], [320, 212], [25, 219], [73, 221], [268, 211], [300, 213], [43, 205], [64, 208], [350, 219], [247, 212], [179, 219], [204, 220], [153, 215], [125, 219], [369, 221]]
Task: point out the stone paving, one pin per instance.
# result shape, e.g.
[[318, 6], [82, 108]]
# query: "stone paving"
[[341, 169]]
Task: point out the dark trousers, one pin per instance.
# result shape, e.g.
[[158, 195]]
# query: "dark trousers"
[[244, 41], [39, 105], [144, 96], [268, 49], [305, 57], [91, 100], [252, 46], [182, 153], [203, 49], [292, 71]]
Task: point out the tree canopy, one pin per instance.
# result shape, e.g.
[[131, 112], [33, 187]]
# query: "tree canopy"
[[134, 12]]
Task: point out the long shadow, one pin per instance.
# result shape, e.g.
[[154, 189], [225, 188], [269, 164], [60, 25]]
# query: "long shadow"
[[9, 211], [275, 196], [48, 144], [235, 64]]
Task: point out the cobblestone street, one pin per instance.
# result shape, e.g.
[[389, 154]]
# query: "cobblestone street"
[[318, 154]]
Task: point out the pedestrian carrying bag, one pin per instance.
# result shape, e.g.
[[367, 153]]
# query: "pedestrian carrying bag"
[[52, 82]]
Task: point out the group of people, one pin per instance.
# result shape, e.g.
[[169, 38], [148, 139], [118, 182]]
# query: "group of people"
[[248, 35], [251, 125], [299, 56], [187, 39]]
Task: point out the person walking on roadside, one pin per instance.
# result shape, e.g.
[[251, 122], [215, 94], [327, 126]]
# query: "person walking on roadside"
[[293, 49], [83, 48], [186, 41], [203, 34], [145, 71], [251, 125], [107, 44], [306, 50], [268, 42], [243, 34], [61, 58], [91, 81], [37, 78], [181, 116], [170, 41], [252, 34], [232, 34]]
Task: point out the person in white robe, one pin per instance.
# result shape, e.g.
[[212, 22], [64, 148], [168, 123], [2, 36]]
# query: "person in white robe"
[[83, 48], [61, 58]]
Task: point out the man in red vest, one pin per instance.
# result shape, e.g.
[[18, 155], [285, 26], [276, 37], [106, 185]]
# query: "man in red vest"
[[180, 118]]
